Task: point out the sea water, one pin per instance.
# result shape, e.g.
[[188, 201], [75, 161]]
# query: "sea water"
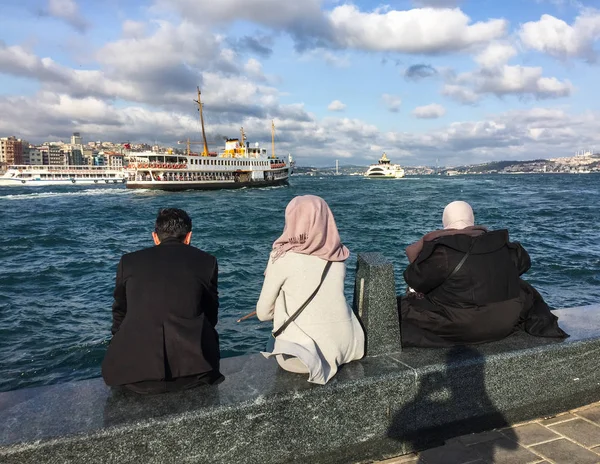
[[60, 246]]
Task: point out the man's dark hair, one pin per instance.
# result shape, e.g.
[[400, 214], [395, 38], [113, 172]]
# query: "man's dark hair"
[[172, 222]]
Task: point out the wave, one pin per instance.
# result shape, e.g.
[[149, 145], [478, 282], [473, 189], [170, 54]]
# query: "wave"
[[86, 192]]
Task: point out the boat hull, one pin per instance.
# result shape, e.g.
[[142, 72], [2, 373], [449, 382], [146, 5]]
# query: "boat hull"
[[384, 177], [54, 182], [174, 186]]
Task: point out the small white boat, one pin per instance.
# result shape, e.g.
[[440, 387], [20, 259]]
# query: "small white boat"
[[25, 175], [385, 170]]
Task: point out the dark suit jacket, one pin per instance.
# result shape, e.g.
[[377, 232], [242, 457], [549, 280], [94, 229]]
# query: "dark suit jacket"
[[164, 315]]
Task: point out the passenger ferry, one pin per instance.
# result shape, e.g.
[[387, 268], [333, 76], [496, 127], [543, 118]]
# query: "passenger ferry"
[[25, 175], [385, 170], [237, 165]]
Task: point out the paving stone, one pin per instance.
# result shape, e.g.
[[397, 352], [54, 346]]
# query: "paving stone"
[[475, 438], [505, 451], [530, 434], [564, 451], [454, 453], [557, 419], [580, 431], [592, 414]]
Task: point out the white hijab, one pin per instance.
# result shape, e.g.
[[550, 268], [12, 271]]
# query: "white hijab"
[[458, 215]]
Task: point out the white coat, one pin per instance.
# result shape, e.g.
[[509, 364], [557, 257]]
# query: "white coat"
[[327, 334]]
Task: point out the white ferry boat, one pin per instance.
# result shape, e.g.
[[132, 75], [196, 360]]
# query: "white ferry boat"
[[237, 165], [62, 175], [385, 170]]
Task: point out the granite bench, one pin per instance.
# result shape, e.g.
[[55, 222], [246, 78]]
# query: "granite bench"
[[392, 402]]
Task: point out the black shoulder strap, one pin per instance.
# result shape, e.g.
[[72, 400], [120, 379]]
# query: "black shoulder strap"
[[293, 317], [458, 266]]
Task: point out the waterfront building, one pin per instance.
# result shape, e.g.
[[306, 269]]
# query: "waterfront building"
[[32, 156], [11, 150], [56, 155], [88, 155], [111, 159], [99, 159], [76, 139], [75, 156]]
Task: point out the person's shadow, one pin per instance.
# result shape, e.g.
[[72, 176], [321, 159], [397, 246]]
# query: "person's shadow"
[[452, 403]]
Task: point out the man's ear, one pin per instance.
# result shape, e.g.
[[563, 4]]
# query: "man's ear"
[[155, 238], [188, 238]]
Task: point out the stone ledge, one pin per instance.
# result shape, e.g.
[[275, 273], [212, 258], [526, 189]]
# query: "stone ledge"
[[379, 407]]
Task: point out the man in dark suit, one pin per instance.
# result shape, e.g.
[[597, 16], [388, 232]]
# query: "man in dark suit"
[[165, 313]]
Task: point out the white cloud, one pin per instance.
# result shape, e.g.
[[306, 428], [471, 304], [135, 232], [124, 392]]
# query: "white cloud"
[[494, 76], [495, 54], [168, 46], [254, 68], [304, 20], [336, 105], [68, 11], [333, 59], [557, 38], [432, 111], [392, 102], [273, 13], [438, 3], [523, 134], [133, 29], [460, 93], [420, 30], [521, 80], [423, 30], [166, 83]]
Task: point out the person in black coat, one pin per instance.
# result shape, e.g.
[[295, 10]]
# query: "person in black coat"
[[164, 313], [465, 287]]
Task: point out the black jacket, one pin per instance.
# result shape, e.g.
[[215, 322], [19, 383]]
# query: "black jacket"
[[484, 301], [164, 315]]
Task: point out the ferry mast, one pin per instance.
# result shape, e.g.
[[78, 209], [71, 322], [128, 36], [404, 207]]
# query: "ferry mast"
[[205, 152], [272, 138]]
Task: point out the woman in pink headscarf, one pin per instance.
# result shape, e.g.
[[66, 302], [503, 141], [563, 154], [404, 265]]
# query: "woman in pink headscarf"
[[326, 334]]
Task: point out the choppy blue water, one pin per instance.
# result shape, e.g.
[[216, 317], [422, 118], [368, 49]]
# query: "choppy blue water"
[[60, 246]]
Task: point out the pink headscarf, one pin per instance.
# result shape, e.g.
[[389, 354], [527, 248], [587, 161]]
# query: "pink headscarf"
[[458, 215], [310, 230]]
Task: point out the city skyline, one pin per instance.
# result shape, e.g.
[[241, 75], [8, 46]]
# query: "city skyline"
[[460, 81]]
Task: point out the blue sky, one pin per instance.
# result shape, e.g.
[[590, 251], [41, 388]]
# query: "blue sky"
[[460, 81]]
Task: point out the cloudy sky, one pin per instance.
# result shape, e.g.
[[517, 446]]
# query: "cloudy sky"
[[424, 80]]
